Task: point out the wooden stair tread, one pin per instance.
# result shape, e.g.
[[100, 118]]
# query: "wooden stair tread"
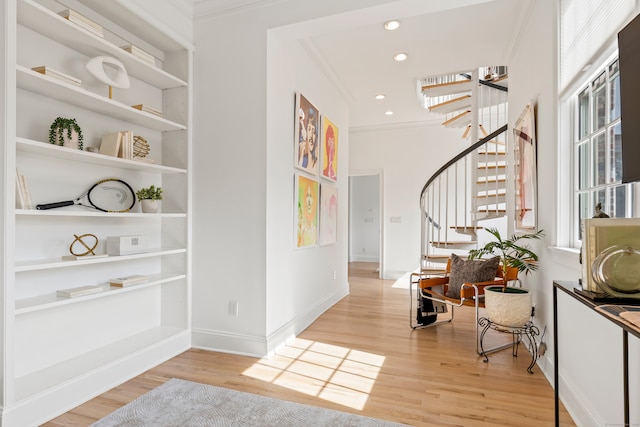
[[454, 242], [483, 166], [448, 88], [442, 257], [491, 180], [458, 120], [433, 271], [452, 105]]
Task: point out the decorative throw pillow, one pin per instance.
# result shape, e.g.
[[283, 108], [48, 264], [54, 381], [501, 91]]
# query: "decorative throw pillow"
[[470, 271]]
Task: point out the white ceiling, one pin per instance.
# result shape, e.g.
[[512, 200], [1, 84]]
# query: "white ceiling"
[[440, 36]]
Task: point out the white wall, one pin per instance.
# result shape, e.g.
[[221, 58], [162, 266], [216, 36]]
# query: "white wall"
[[364, 218], [408, 156], [247, 68], [588, 346]]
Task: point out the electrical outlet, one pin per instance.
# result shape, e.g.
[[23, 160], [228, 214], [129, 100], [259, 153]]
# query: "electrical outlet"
[[233, 308]]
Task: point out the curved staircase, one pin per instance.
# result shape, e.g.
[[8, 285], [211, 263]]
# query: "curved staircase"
[[471, 187]]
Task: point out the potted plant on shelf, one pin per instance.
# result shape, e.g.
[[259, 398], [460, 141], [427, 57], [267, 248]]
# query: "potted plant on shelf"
[[66, 133], [149, 197], [507, 305]]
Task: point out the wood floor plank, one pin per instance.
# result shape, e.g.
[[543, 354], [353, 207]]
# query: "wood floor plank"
[[362, 357]]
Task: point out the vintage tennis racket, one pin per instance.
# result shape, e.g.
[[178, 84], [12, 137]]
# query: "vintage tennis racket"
[[107, 195]]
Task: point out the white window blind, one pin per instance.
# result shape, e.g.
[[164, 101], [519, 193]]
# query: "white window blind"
[[587, 29]]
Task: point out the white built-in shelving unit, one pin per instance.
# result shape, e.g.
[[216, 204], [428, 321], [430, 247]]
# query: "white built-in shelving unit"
[[59, 352]]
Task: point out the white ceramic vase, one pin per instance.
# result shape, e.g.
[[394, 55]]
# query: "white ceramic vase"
[[512, 309], [149, 206]]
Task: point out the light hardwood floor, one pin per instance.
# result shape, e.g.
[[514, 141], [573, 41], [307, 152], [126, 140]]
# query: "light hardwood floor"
[[362, 357]]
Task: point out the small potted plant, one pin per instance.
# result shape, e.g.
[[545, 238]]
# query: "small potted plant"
[[149, 197], [66, 133], [509, 306]]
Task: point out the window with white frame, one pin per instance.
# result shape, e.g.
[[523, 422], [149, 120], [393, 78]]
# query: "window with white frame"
[[598, 149], [590, 125]]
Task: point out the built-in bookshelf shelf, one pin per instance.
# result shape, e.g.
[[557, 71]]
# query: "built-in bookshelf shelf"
[[63, 350], [47, 264], [74, 95], [62, 212], [42, 302], [54, 151], [164, 339], [55, 27]]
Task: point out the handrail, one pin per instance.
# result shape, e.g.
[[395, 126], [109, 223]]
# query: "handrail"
[[461, 155]]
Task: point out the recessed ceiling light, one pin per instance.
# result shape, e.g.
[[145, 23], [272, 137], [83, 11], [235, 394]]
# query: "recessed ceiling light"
[[400, 56], [391, 25], [388, 113], [381, 96]]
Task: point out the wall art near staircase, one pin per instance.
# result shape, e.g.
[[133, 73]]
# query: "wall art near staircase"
[[328, 214], [307, 135], [329, 150], [306, 203], [525, 169]]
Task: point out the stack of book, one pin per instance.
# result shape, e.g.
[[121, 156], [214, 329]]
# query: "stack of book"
[[23, 196], [78, 292], [118, 144], [147, 109], [50, 72], [139, 53], [121, 282], [83, 22]]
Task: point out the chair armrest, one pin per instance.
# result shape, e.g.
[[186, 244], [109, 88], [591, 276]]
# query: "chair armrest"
[[433, 281], [468, 291]]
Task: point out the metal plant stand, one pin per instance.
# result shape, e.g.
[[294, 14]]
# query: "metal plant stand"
[[529, 330]]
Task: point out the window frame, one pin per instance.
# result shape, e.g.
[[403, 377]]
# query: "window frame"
[[584, 151]]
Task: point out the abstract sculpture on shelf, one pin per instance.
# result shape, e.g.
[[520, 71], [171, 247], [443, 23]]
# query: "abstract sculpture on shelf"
[[96, 66], [89, 249]]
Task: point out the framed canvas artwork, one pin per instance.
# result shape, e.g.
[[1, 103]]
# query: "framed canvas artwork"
[[307, 135], [328, 214], [329, 149], [525, 170], [307, 206]]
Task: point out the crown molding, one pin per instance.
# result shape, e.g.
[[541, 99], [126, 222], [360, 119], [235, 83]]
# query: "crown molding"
[[214, 8]]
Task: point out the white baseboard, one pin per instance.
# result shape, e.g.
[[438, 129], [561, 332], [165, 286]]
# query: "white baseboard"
[[364, 258], [259, 346]]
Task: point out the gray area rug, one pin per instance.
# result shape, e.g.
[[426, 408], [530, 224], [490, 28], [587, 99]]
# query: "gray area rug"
[[185, 403]]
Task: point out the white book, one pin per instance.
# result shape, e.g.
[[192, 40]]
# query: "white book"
[[78, 292], [110, 144], [20, 202], [147, 109], [82, 257], [26, 193], [83, 22], [122, 282], [48, 71], [139, 53]]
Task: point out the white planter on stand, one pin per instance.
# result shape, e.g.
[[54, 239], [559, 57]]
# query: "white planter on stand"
[[511, 308]]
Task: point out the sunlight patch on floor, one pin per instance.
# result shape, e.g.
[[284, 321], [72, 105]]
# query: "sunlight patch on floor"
[[333, 373]]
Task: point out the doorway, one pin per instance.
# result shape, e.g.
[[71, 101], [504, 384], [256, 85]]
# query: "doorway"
[[365, 225]]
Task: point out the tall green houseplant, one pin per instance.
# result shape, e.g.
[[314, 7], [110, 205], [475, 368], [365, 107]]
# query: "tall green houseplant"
[[511, 252]]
